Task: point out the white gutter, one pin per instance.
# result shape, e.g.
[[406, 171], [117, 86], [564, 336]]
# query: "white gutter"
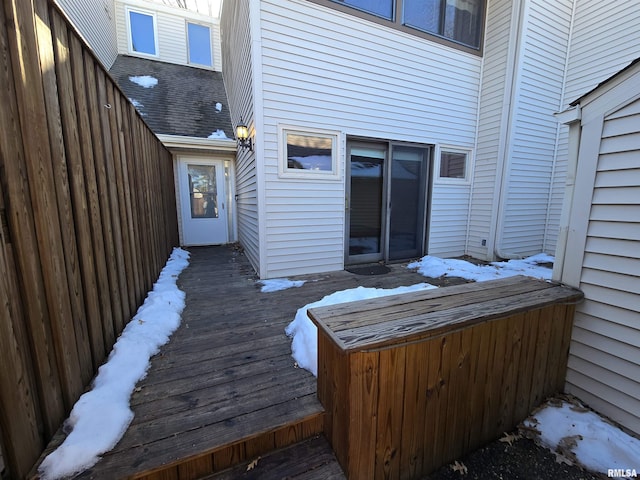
[[198, 143], [571, 117]]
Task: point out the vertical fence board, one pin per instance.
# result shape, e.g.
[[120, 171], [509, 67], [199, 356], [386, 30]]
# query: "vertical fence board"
[[19, 415], [21, 225], [105, 110], [38, 161], [68, 249], [85, 192], [99, 155], [81, 219]]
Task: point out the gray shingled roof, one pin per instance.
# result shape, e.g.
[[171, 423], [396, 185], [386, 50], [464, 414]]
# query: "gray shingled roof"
[[183, 102]]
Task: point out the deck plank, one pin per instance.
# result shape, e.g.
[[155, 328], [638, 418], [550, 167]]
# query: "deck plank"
[[225, 386]]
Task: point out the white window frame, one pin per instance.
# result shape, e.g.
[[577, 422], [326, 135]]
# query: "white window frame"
[[128, 10], [186, 26], [467, 166], [283, 165]]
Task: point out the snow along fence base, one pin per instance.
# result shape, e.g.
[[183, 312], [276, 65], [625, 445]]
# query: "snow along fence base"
[[411, 382]]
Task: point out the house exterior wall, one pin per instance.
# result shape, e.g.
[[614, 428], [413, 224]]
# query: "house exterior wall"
[[171, 31], [95, 21], [496, 75], [238, 65], [605, 38], [522, 82], [602, 252], [330, 70]]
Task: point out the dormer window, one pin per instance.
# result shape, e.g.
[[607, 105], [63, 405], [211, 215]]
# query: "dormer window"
[[142, 32], [199, 37]]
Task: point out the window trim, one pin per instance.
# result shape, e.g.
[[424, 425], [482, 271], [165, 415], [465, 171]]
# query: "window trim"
[[128, 10], [398, 24], [467, 166], [186, 26], [293, 173]]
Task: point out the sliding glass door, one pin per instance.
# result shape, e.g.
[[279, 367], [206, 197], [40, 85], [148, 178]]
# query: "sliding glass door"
[[387, 200]]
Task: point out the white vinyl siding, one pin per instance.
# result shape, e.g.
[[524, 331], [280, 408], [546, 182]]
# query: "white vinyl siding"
[[236, 54], [95, 21], [330, 70], [604, 361], [605, 39], [171, 31], [534, 131], [490, 128]]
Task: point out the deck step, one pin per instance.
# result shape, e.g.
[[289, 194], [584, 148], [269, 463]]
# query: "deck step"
[[306, 460]]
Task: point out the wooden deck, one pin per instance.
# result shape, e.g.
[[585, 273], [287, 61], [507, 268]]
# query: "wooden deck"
[[225, 390]]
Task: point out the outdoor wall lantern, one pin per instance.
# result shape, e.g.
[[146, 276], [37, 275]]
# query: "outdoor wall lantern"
[[242, 134]]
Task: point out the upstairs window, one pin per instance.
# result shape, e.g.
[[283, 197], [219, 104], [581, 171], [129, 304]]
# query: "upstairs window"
[[199, 44], [142, 32], [457, 21]]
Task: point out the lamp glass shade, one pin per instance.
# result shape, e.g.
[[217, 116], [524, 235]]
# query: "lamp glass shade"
[[242, 132]]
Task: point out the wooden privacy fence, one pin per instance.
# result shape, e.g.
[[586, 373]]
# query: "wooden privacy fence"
[[411, 382], [88, 219]]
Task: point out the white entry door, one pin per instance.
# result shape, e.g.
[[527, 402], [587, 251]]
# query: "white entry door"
[[202, 201]]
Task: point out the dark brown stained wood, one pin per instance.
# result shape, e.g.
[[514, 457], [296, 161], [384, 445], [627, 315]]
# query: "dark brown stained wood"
[[37, 156], [128, 173], [422, 320], [63, 194], [19, 417], [453, 382], [102, 191], [54, 170], [310, 459], [80, 219], [20, 223], [414, 413], [91, 192], [106, 111], [390, 412], [119, 195]]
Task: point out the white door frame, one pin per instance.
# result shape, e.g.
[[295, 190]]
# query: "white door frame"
[[205, 231]]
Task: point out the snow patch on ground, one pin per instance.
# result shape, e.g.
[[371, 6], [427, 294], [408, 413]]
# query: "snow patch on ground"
[[145, 81], [101, 416], [585, 437], [435, 267], [304, 344], [276, 284]]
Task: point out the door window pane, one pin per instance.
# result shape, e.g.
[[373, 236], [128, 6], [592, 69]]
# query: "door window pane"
[[203, 191], [199, 44], [381, 8], [142, 33], [408, 190], [365, 208]]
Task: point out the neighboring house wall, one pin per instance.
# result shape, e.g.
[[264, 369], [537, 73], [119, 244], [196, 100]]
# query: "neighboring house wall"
[[170, 30], [523, 71], [605, 38], [602, 252], [95, 20], [237, 55], [324, 69]]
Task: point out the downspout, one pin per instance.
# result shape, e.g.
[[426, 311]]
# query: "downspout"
[[504, 163]]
